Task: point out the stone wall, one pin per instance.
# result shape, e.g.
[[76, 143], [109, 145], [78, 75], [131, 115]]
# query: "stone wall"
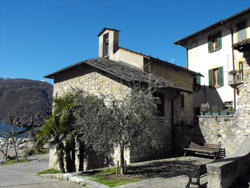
[[184, 133], [222, 173], [223, 130], [96, 82], [22, 144], [89, 80], [233, 134], [182, 114]]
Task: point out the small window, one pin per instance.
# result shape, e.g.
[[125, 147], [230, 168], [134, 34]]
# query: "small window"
[[216, 78], [160, 104], [182, 101], [214, 42], [241, 30]]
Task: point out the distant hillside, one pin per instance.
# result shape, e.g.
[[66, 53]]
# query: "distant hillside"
[[5, 78], [24, 98]]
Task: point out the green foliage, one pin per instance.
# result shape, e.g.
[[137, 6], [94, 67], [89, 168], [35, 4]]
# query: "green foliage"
[[107, 121], [109, 171], [99, 122], [49, 171], [57, 128], [230, 109], [108, 177], [226, 119], [215, 109], [102, 176], [205, 107]]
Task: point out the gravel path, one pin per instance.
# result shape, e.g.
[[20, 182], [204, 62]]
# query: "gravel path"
[[22, 175]]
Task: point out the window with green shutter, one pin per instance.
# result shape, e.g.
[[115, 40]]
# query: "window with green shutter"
[[216, 77], [198, 80], [209, 44], [210, 77], [214, 42], [219, 40], [221, 76]]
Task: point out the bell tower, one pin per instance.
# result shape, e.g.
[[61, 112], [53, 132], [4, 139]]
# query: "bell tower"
[[108, 42]]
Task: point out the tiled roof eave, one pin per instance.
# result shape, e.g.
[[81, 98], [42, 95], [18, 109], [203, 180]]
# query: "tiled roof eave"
[[112, 68], [222, 22]]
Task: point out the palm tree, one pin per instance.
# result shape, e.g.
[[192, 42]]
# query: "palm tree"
[[59, 132]]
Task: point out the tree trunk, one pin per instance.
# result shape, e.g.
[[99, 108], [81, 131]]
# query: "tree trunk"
[[80, 155], [73, 155], [69, 163], [7, 147], [13, 139], [60, 155], [14, 143], [122, 158]]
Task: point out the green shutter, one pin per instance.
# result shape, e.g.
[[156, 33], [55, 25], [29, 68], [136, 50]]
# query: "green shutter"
[[209, 44], [219, 40], [221, 76], [210, 77], [198, 80]]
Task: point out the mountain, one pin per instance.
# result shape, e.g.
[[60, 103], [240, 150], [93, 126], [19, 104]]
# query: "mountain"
[[5, 78], [24, 98]]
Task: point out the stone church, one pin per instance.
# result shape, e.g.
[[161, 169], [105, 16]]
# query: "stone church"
[[114, 71]]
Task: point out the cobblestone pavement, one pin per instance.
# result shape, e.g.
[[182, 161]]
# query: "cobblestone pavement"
[[22, 175]]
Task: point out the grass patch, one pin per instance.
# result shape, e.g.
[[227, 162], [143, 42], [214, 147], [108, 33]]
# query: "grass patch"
[[13, 161], [49, 171], [109, 177], [41, 151]]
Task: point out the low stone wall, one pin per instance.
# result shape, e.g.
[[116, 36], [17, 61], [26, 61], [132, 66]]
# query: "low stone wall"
[[235, 138], [222, 173], [223, 130], [21, 143]]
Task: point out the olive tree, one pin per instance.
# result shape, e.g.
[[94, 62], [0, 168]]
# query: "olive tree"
[[105, 122], [132, 118]]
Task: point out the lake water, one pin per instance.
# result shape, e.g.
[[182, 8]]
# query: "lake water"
[[8, 129]]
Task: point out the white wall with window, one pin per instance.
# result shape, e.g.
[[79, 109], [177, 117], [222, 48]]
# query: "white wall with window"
[[210, 53], [214, 61]]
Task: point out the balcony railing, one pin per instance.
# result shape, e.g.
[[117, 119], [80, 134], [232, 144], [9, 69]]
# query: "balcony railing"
[[235, 77]]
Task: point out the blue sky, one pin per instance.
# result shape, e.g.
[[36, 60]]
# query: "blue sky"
[[38, 37]]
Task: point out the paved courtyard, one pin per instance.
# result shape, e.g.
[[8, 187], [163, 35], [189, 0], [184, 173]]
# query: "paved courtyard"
[[22, 175], [173, 176]]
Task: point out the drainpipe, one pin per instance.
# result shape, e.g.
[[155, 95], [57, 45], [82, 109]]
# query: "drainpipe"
[[232, 41], [172, 119]]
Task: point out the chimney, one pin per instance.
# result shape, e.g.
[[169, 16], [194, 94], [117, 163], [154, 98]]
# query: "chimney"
[[108, 42]]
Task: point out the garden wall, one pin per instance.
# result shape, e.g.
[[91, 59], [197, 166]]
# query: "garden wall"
[[223, 130], [222, 173]]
